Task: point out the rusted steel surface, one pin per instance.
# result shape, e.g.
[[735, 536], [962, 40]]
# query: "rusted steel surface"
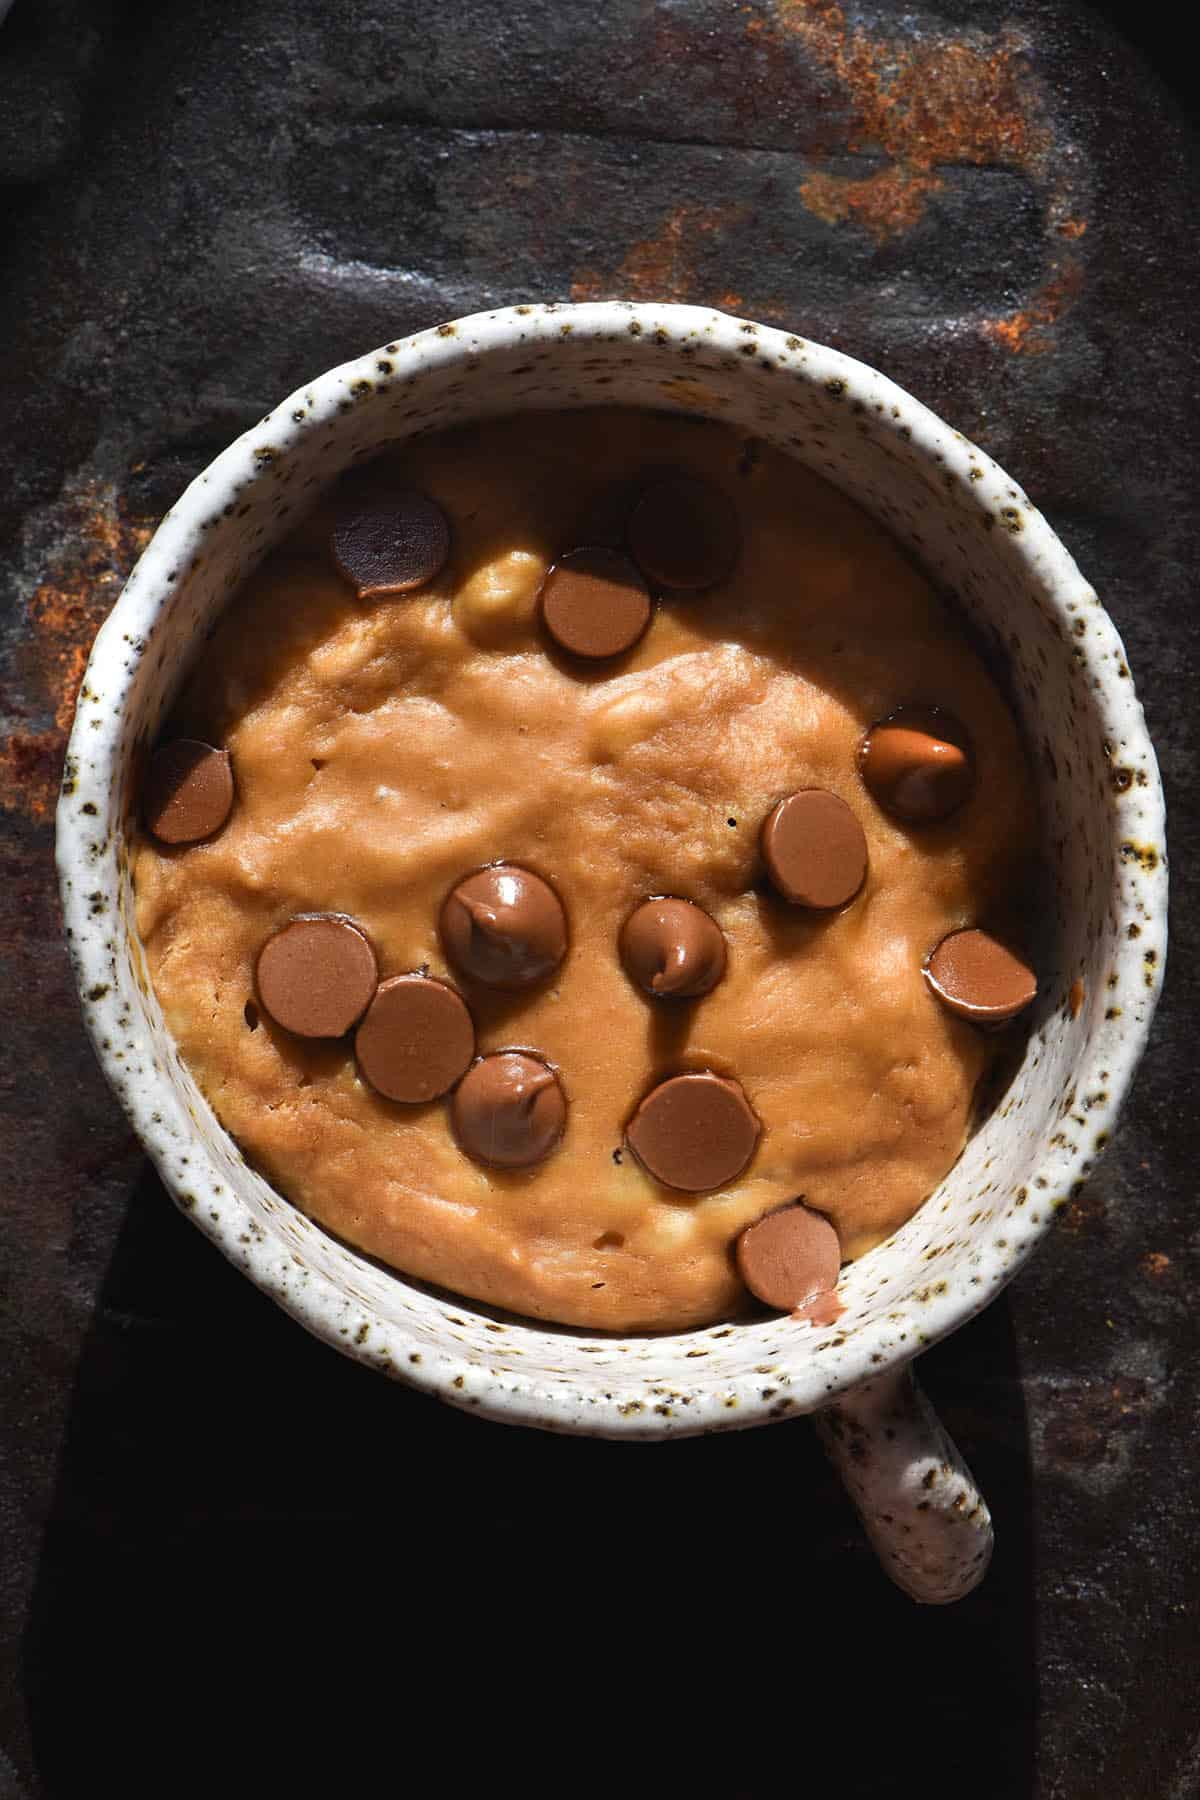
[[204, 203]]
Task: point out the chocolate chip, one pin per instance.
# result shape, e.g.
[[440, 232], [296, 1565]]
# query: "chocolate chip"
[[417, 1039], [504, 926], [594, 603], [390, 545], [977, 977], [684, 534], [789, 1257], [694, 1132], [509, 1110], [814, 848], [917, 764], [188, 791], [672, 949], [316, 976]]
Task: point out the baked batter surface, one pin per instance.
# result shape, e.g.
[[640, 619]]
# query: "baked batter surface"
[[383, 749]]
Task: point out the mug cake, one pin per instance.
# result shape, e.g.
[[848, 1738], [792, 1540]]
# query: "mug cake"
[[587, 869]]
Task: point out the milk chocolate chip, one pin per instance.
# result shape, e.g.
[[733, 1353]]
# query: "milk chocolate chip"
[[416, 1040], [814, 848], [684, 534], [672, 949], [917, 764], [504, 926], [694, 1132], [388, 546], [976, 976], [789, 1258], [316, 976], [508, 1110], [188, 791], [594, 603]]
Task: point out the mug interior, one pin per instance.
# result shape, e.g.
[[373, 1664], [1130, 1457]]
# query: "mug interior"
[[976, 533]]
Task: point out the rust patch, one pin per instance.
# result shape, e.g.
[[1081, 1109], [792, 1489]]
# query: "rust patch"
[[1028, 329], [1155, 1265], [102, 541], [886, 204], [1084, 1210], [662, 267], [1085, 1432], [1077, 996], [925, 105]]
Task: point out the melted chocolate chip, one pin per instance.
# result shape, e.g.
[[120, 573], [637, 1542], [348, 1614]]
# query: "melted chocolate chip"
[[694, 1132], [684, 534], [188, 792], [815, 850], [416, 1040], [509, 1110], [594, 603], [917, 764], [504, 926], [789, 1258], [672, 949], [316, 976], [977, 977], [391, 545]]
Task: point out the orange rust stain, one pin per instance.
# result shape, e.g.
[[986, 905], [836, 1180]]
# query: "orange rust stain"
[[661, 267], [1077, 996], [925, 105], [1085, 1210], [1155, 1264], [1028, 330], [885, 204], [1072, 228], [30, 762], [63, 615]]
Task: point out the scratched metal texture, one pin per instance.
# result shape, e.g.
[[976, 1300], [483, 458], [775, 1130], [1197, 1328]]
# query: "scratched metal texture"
[[229, 1555]]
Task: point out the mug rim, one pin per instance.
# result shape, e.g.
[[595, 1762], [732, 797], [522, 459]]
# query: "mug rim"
[[317, 1302]]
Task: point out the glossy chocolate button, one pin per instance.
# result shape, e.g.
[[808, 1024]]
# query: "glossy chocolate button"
[[789, 1257], [504, 926], [917, 764], [187, 793], [316, 976], [672, 949], [594, 603], [684, 534], [694, 1132], [977, 977], [389, 546], [814, 848], [417, 1039], [509, 1110]]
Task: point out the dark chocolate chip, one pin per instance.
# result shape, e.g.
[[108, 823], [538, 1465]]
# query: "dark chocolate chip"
[[594, 603], [416, 1040], [789, 1257], [188, 791], [316, 976], [977, 977], [390, 545], [694, 1132], [672, 949], [684, 534], [917, 764], [509, 1110], [504, 926], [815, 850]]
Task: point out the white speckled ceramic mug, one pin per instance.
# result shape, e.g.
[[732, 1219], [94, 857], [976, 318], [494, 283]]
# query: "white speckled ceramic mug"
[[1101, 965]]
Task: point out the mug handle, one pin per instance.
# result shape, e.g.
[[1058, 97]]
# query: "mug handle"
[[926, 1519]]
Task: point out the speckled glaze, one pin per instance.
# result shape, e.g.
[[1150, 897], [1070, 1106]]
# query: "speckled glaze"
[[1101, 963]]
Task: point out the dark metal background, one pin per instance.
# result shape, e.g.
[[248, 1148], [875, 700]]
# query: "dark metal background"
[[226, 1550]]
